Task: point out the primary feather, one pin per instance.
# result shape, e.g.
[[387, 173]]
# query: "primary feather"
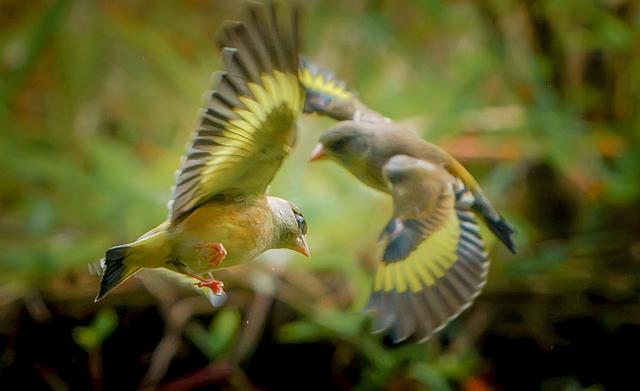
[[434, 262], [248, 125], [246, 129], [327, 95]]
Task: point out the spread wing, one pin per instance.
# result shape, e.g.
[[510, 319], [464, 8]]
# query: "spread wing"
[[320, 82], [327, 95], [434, 262], [248, 125]]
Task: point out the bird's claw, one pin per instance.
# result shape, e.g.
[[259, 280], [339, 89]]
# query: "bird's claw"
[[216, 254], [214, 285]]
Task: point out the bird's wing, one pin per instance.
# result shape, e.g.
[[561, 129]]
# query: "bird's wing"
[[327, 95], [248, 125], [316, 80], [434, 262]]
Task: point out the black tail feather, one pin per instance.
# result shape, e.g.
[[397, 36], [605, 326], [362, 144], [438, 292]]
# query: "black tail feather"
[[503, 231], [116, 272], [497, 224]]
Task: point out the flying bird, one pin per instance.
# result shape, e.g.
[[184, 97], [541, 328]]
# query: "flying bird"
[[434, 260], [220, 215]]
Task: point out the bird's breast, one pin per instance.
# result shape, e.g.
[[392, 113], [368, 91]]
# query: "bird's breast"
[[244, 228]]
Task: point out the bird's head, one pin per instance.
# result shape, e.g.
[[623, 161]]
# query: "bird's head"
[[346, 143], [290, 226]]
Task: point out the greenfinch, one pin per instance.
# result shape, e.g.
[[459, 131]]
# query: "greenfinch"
[[434, 258], [220, 215]]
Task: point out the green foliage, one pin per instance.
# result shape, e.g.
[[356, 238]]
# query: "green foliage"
[[221, 335], [91, 337], [430, 377]]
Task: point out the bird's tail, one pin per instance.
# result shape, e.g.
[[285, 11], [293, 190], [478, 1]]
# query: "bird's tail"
[[116, 270], [496, 223], [121, 262]]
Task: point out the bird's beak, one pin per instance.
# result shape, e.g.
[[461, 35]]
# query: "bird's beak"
[[318, 153], [301, 246]]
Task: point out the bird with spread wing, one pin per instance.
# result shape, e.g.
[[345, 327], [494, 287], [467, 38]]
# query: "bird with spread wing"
[[220, 215], [434, 260]]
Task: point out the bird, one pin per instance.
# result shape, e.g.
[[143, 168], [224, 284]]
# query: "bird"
[[220, 214], [434, 260]]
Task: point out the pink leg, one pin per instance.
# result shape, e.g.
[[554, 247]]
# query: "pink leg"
[[215, 254], [213, 284]]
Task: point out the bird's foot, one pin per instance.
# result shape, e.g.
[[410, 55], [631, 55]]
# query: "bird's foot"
[[214, 285], [215, 254]]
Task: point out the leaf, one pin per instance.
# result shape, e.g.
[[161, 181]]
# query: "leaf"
[[224, 330], [221, 335], [301, 331], [91, 337], [429, 376]]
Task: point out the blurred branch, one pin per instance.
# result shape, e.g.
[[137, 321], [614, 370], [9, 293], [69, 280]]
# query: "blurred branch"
[[176, 313], [36, 306], [210, 374], [256, 317], [224, 369]]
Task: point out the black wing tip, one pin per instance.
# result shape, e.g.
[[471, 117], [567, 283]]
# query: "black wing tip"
[[416, 316], [396, 318]]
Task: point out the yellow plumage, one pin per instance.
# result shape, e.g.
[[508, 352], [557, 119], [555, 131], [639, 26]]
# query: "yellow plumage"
[[220, 215], [321, 84]]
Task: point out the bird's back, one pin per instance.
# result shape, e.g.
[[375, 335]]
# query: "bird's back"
[[393, 140]]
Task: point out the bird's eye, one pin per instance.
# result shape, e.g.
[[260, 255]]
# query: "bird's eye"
[[302, 224], [339, 145]]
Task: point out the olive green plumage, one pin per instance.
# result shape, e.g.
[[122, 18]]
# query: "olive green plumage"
[[433, 255], [220, 215], [434, 260]]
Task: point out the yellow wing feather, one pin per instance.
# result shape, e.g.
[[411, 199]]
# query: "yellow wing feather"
[[434, 263], [248, 127], [322, 83]]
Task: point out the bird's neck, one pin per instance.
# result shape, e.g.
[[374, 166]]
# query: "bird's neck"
[[278, 222]]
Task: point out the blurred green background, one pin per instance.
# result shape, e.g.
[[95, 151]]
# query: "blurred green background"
[[539, 99]]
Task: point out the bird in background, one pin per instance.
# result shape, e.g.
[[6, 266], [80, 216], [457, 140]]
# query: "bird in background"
[[434, 261], [220, 215]]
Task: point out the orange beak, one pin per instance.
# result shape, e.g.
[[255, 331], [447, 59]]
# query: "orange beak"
[[318, 153], [301, 246]]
